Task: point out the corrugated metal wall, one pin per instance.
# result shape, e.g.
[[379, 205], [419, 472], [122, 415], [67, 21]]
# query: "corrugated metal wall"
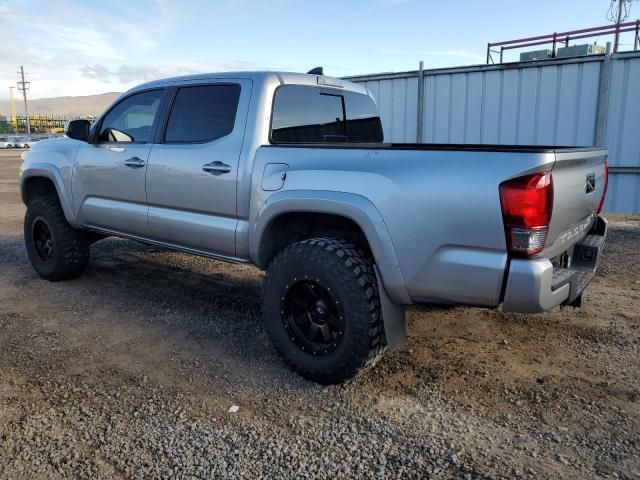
[[622, 135], [546, 103]]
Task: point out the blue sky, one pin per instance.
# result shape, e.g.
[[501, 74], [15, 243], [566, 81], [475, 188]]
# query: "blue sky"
[[79, 47]]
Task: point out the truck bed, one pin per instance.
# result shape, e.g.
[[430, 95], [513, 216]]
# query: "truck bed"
[[442, 207]]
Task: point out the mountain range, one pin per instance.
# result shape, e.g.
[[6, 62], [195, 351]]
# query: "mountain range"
[[81, 105]]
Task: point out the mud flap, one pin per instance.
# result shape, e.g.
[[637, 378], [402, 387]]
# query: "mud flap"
[[395, 325]]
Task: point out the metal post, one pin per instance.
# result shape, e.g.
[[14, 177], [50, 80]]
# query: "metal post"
[[636, 39], [488, 52], [501, 53], [23, 86], [603, 98], [420, 123], [553, 49]]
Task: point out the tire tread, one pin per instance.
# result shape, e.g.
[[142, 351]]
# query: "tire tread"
[[354, 270], [74, 243]]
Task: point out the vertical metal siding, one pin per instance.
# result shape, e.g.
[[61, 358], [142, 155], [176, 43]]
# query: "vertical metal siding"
[[622, 135], [552, 103], [398, 103]]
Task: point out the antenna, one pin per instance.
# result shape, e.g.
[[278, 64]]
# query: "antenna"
[[316, 71], [618, 12]]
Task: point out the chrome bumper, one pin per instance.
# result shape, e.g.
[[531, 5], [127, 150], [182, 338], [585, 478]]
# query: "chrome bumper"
[[535, 285]]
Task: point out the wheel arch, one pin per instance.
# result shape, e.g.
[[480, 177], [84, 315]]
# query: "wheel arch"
[[45, 179], [290, 216]]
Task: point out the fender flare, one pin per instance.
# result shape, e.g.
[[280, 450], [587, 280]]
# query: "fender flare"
[[355, 207], [51, 172]]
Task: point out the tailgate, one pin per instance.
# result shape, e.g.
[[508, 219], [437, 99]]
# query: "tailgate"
[[579, 181]]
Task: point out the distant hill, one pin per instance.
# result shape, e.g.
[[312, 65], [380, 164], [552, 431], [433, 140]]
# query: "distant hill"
[[85, 105]]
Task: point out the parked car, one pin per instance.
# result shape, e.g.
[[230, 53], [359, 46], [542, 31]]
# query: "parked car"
[[19, 142], [289, 172], [31, 140], [5, 142]]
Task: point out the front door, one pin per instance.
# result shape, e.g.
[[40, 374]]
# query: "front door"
[[193, 168], [109, 179]]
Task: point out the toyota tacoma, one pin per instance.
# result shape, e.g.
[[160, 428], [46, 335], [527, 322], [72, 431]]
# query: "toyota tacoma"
[[290, 172]]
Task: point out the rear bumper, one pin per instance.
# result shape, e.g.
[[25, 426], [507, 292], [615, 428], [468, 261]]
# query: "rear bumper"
[[535, 285]]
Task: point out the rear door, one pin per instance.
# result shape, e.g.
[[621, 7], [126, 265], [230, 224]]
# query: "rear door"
[[109, 178], [193, 167]]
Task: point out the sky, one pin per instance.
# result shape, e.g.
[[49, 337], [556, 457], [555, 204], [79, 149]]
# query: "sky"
[[72, 47]]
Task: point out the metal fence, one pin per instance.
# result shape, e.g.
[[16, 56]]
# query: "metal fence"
[[582, 101]]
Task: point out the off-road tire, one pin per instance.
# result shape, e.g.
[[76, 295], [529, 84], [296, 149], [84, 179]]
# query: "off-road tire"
[[70, 252], [349, 274]]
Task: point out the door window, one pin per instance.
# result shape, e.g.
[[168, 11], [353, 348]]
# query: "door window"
[[132, 119], [202, 113]]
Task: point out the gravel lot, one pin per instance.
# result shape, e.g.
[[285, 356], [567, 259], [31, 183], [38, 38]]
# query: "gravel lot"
[[130, 372]]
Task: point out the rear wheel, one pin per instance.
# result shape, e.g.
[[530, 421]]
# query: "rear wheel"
[[322, 309], [56, 250]]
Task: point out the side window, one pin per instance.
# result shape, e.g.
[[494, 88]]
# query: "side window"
[[303, 114], [132, 119], [202, 113], [363, 119]]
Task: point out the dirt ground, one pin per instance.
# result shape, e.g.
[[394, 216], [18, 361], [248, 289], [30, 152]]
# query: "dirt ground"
[[130, 371]]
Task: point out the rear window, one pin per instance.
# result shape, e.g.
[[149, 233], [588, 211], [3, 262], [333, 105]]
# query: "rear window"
[[303, 114], [203, 113]]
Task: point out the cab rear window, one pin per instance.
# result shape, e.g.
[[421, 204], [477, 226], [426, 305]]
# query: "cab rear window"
[[304, 114]]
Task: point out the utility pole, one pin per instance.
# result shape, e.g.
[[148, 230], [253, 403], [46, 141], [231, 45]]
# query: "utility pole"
[[14, 115], [23, 87], [616, 39]]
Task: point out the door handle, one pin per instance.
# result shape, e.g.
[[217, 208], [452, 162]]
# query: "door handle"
[[216, 167], [134, 162]]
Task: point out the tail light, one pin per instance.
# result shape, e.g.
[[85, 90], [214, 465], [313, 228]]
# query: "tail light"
[[606, 184], [527, 203]]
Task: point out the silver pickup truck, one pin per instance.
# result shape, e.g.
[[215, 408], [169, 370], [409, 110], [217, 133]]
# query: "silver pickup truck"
[[290, 172]]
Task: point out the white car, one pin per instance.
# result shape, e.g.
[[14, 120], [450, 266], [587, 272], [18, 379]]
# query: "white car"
[[5, 143], [19, 142], [31, 140]]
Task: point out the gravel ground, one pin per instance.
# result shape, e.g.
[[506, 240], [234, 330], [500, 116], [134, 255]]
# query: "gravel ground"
[[131, 370]]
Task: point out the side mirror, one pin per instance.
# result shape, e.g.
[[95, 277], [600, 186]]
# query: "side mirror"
[[78, 130]]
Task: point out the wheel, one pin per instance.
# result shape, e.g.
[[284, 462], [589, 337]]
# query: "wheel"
[[322, 309], [56, 250]]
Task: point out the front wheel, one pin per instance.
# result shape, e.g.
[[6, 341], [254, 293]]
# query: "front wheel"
[[322, 309], [56, 250]]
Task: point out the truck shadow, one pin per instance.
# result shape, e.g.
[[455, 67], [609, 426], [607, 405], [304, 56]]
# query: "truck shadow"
[[207, 312]]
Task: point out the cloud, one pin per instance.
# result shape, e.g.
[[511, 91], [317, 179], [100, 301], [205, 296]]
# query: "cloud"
[[70, 48], [123, 74], [134, 74]]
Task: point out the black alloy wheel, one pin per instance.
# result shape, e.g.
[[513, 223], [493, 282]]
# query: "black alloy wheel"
[[42, 239], [312, 317]]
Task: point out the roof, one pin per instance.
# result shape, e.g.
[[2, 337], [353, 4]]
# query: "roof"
[[258, 77]]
